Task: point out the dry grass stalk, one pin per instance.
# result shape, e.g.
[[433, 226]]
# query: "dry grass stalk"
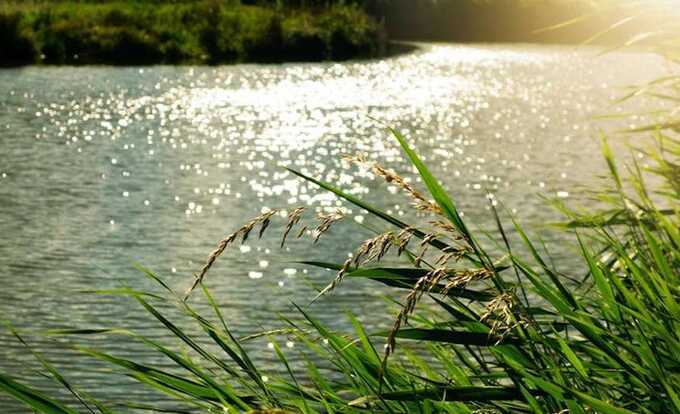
[[301, 232], [451, 254], [444, 258], [403, 239], [447, 228], [263, 220], [372, 249], [501, 313], [464, 277], [420, 202], [336, 280], [425, 283], [424, 245], [293, 219], [391, 344], [325, 222]]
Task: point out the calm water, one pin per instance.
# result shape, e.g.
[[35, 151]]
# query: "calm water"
[[102, 167]]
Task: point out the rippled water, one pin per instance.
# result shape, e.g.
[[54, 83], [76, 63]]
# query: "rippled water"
[[102, 167]]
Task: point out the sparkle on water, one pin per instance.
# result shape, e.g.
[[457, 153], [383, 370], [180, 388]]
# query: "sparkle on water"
[[105, 166]]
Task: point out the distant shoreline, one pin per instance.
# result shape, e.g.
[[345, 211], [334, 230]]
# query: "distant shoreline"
[[215, 32], [201, 32]]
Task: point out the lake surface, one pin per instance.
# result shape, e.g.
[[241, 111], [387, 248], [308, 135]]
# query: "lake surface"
[[102, 167]]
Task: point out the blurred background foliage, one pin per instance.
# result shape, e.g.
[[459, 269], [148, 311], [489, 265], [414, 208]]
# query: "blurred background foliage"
[[223, 31]]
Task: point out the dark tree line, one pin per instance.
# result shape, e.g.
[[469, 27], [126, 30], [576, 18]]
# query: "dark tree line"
[[308, 3]]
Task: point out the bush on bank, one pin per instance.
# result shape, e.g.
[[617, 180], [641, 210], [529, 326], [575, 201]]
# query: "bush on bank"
[[192, 32]]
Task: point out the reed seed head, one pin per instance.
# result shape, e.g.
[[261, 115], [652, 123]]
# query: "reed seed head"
[[263, 220], [500, 312], [325, 222], [464, 277], [293, 219], [420, 202]]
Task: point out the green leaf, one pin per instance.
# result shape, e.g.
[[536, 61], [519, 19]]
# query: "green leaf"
[[436, 190], [34, 399], [599, 405]]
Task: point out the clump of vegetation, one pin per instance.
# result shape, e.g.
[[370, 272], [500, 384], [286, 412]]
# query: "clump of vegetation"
[[187, 32], [502, 331], [17, 40], [344, 34]]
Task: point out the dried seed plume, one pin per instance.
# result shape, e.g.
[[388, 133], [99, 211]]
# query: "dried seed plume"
[[420, 202], [325, 222], [293, 219], [263, 220]]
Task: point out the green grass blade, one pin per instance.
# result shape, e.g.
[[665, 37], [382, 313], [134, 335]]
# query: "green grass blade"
[[436, 190], [32, 398]]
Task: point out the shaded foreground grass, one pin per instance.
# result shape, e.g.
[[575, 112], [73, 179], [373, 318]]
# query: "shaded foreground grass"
[[205, 31]]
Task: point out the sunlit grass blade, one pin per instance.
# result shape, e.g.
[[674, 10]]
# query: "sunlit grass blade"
[[436, 190], [56, 375], [176, 385]]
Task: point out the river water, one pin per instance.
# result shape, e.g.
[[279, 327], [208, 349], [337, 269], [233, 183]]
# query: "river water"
[[103, 167]]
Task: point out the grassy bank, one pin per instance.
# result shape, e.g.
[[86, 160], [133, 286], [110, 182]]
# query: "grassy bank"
[[185, 32]]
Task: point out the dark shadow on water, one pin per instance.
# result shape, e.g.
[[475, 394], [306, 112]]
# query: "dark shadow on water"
[[392, 49]]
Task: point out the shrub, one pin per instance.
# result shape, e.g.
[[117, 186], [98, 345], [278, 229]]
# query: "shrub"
[[220, 37], [265, 44], [63, 41], [302, 40], [349, 33], [197, 31], [17, 40], [122, 45]]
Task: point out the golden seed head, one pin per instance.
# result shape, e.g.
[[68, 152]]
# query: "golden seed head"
[[325, 222], [293, 219], [263, 220]]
